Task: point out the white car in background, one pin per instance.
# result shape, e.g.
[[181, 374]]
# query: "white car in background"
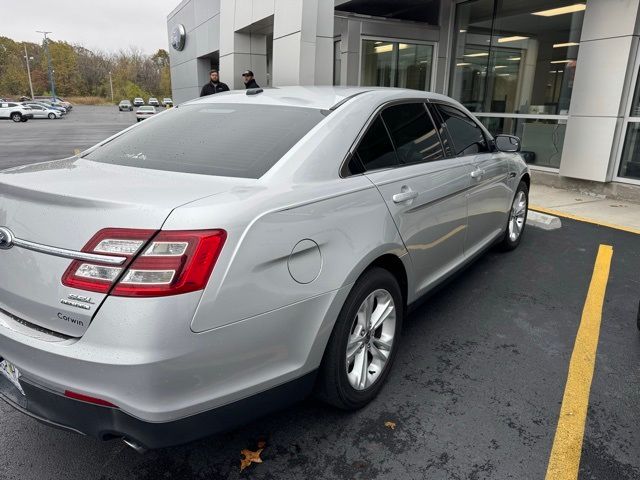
[[145, 111], [167, 102], [43, 111], [15, 111], [138, 102], [154, 102]]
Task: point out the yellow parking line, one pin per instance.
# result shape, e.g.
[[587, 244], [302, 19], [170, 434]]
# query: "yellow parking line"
[[567, 444], [558, 213]]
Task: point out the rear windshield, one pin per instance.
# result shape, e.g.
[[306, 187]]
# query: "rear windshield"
[[230, 140]]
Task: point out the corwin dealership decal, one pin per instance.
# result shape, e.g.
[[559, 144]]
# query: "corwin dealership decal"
[[69, 319]]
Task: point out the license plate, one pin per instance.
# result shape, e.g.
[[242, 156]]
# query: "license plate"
[[11, 373]]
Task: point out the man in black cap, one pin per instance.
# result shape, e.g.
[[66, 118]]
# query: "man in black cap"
[[249, 81], [214, 86]]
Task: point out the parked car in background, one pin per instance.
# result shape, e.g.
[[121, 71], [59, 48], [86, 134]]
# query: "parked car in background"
[[154, 102], [47, 103], [221, 277], [43, 111], [167, 102], [15, 111], [145, 111], [55, 101], [125, 105], [137, 102]]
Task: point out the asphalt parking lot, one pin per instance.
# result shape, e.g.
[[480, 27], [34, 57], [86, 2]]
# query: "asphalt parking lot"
[[39, 140], [475, 392]]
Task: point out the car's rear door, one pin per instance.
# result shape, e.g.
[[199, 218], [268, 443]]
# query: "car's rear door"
[[423, 189], [489, 196]]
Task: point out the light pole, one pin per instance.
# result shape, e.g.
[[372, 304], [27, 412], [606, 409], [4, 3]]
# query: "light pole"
[[46, 48], [111, 85], [28, 59]]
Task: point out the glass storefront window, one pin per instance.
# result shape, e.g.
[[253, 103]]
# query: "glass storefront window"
[[516, 57], [630, 162], [542, 139], [396, 64]]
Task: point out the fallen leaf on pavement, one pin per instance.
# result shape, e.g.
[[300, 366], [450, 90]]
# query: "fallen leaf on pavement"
[[391, 425], [250, 457]]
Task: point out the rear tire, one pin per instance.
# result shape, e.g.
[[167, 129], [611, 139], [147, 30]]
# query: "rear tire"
[[16, 117], [517, 219], [358, 358]]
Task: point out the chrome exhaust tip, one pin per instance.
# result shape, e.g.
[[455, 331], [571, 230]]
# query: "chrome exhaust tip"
[[135, 445]]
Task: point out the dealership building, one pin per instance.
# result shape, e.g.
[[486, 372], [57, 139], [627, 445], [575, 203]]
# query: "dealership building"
[[560, 74]]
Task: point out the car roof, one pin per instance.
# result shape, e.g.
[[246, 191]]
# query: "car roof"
[[320, 97]]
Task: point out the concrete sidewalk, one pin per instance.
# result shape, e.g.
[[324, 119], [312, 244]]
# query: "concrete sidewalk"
[[596, 208]]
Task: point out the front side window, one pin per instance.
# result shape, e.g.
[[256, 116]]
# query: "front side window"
[[229, 140], [414, 136], [467, 137], [376, 150]]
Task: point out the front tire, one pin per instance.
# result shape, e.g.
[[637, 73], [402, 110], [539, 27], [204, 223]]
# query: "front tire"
[[16, 117], [364, 342], [52, 116], [517, 219]]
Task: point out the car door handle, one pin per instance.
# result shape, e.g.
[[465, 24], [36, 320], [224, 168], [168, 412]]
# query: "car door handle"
[[405, 196], [478, 173]]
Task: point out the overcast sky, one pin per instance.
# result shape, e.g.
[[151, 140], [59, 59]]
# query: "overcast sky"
[[103, 24]]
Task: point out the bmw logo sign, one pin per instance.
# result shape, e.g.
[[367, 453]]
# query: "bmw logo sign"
[[178, 36]]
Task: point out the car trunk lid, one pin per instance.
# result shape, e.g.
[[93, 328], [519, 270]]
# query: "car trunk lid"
[[63, 204]]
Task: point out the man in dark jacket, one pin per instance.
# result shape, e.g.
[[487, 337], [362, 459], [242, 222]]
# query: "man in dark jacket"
[[214, 86], [249, 81]]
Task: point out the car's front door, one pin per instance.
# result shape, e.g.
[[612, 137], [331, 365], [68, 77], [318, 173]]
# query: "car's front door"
[[38, 112], [423, 189], [489, 195]]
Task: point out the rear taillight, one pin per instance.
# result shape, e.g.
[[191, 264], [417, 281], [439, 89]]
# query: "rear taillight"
[[169, 263], [173, 262]]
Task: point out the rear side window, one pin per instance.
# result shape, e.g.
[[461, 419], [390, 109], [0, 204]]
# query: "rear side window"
[[414, 136], [467, 137], [230, 140], [376, 150]]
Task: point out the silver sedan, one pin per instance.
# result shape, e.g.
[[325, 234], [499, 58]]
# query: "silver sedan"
[[40, 110], [233, 254]]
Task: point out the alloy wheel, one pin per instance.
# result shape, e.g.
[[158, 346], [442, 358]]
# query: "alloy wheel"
[[517, 216], [370, 339]]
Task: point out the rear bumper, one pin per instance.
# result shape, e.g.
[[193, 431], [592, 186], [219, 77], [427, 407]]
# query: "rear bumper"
[[105, 423], [142, 356]]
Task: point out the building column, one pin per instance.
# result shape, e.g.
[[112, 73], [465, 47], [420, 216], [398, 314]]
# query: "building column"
[[350, 52], [240, 51], [608, 46], [303, 42]]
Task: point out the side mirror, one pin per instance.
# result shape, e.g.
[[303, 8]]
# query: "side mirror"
[[507, 143]]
